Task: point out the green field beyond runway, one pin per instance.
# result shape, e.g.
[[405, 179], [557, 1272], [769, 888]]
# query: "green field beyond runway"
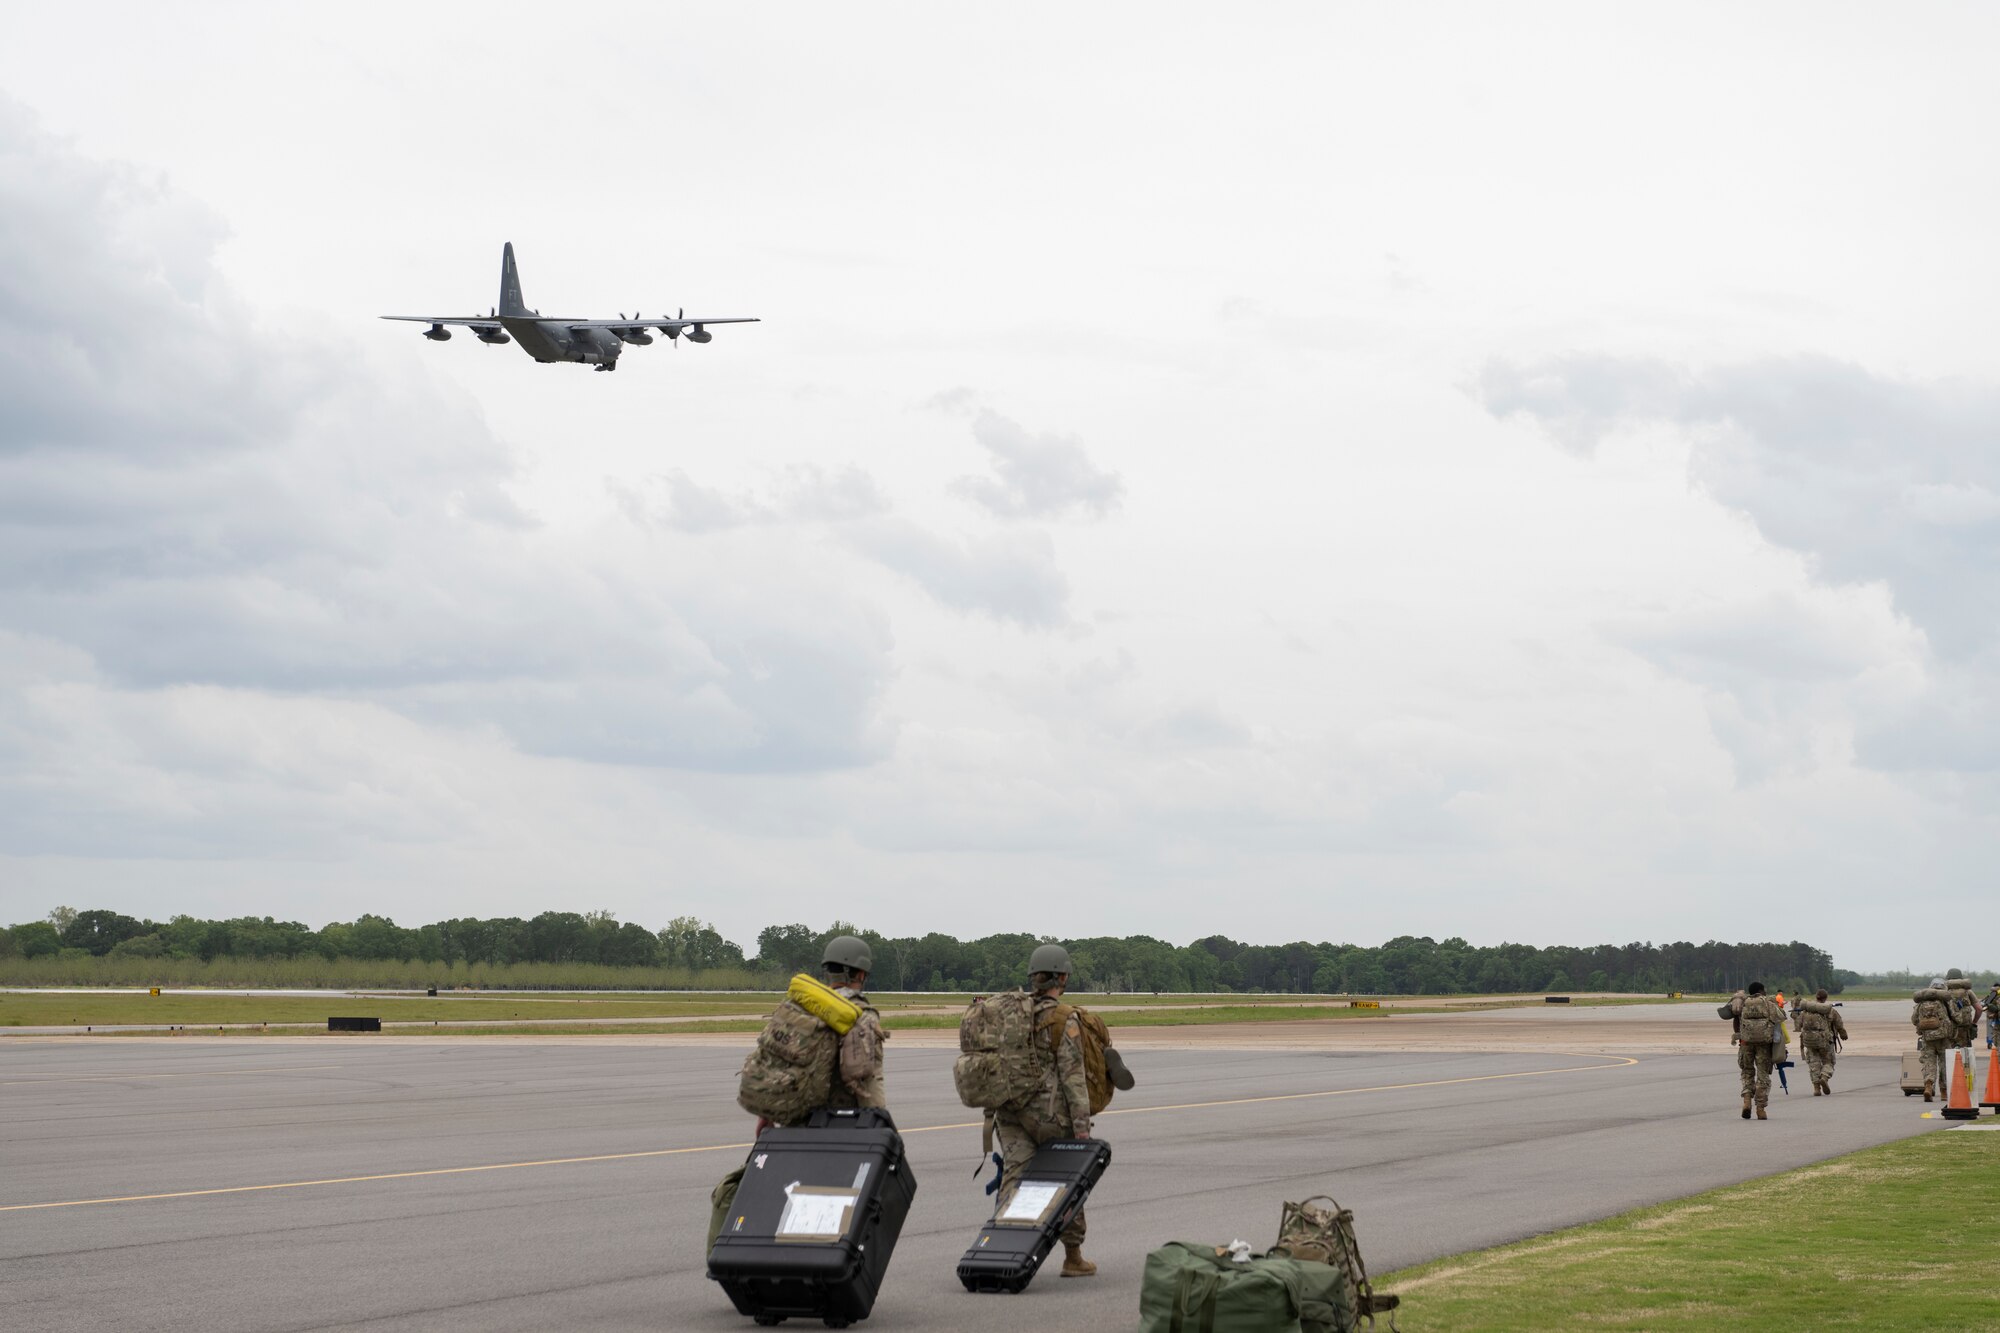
[[1896, 1237], [691, 1011]]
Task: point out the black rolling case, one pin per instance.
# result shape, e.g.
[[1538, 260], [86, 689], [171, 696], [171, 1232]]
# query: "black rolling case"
[[815, 1219], [1053, 1188]]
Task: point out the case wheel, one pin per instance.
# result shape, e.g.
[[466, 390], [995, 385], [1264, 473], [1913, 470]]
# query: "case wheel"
[[767, 1320]]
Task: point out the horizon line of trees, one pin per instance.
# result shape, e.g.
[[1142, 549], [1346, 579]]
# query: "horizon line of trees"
[[1406, 965]]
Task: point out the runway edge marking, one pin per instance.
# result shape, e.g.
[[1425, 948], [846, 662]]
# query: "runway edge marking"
[[1624, 1061]]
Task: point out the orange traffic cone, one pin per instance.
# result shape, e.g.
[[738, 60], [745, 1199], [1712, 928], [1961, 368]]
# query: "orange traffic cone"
[[1960, 1106], [1992, 1097]]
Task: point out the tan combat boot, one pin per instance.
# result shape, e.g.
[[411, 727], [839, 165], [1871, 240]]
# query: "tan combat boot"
[[1761, 1115], [1815, 1089], [1930, 1092], [1074, 1264], [1826, 1089], [1746, 1106]]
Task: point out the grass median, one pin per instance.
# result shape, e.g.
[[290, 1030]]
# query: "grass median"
[[674, 1011], [1886, 1238]]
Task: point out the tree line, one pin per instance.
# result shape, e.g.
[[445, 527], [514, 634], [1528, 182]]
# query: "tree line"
[[689, 947]]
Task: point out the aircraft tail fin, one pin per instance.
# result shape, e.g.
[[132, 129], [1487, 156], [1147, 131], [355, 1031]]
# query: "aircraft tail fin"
[[510, 285]]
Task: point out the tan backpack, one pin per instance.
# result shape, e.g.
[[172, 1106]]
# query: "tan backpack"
[[1326, 1236], [1759, 1021], [1815, 1027], [1096, 1037], [1930, 1016]]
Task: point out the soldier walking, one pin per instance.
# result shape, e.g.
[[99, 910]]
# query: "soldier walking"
[[1992, 1007], [1820, 1031], [1964, 1012], [846, 965], [1930, 1015], [823, 1067], [1062, 1108], [1757, 1023]]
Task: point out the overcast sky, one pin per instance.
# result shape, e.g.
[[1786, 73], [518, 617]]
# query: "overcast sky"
[[1526, 472]]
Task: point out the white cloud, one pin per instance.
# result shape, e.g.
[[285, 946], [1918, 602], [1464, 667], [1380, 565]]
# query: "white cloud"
[[1036, 476], [1885, 487], [1008, 575]]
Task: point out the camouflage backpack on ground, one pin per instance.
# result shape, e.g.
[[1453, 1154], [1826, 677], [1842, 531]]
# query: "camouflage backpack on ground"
[[789, 1073], [997, 1068], [1815, 1025], [1326, 1235]]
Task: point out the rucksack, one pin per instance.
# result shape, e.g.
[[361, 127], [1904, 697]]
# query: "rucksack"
[[789, 1073], [1757, 1024], [1095, 1038], [1931, 1015], [997, 1068], [1326, 1236], [1815, 1028]]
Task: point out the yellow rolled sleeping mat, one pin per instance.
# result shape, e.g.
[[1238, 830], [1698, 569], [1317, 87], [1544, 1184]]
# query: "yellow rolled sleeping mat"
[[823, 1002]]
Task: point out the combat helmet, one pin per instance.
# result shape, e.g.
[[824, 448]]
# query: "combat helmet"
[[849, 952], [1051, 958]]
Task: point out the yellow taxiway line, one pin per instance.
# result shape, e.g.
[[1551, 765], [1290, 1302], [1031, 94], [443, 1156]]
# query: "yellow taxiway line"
[[1624, 1061]]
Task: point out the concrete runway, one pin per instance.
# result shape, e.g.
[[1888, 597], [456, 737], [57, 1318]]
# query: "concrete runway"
[[444, 1192]]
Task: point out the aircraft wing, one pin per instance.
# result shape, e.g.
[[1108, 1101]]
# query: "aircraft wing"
[[468, 321], [662, 324]]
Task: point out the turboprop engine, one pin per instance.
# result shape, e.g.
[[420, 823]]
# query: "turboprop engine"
[[635, 335], [438, 333]]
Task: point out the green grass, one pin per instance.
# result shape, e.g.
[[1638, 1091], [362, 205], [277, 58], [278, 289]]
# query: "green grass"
[[899, 1023], [59, 1008], [1887, 1238], [45, 1009]]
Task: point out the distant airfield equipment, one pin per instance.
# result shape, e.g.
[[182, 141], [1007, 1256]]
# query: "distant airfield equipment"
[[590, 342]]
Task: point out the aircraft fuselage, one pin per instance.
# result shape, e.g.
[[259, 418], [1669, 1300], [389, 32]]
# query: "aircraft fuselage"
[[550, 340]]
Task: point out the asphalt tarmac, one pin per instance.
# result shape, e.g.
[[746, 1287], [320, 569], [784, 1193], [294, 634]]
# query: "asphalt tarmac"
[[403, 1183]]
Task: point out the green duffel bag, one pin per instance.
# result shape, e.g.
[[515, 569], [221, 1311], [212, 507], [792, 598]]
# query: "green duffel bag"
[[720, 1200], [1192, 1289]]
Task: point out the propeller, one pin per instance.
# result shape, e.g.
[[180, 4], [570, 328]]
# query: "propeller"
[[674, 333]]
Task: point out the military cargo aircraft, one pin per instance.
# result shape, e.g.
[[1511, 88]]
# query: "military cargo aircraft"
[[590, 342]]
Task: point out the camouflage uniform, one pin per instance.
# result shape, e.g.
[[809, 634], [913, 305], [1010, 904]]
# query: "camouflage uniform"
[[847, 1067], [1929, 1008], [1992, 1007], [1060, 1111], [860, 1059], [1753, 1058], [1962, 1034], [1820, 1026]]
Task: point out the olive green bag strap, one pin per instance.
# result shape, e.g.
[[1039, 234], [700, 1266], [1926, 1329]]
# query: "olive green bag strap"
[[1209, 1283]]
